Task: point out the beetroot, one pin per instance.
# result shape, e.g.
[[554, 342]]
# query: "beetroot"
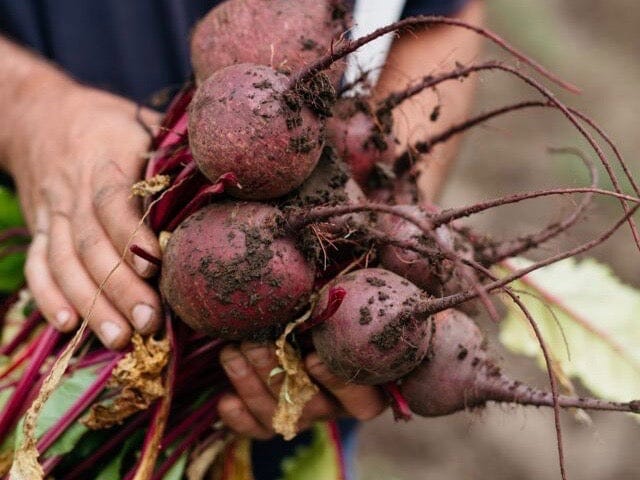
[[448, 379], [284, 34], [358, 140], [225, 273], [458, 374], [379, 332], [240, 121], [437, 275]]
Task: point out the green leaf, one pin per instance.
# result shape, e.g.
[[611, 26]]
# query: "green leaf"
[[11, 272], [7, 443], [317, 461], [11, 276], [177, 471], [62, 398], [114, 467], [596, 317], [10, 214]]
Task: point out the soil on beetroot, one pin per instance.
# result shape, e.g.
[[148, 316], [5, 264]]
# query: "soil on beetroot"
[[508, 155]]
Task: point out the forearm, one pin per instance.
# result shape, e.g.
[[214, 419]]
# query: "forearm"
[[29, 90], [423, 52]]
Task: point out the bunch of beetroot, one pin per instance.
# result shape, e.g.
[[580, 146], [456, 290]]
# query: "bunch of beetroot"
[[287, 199], [284, 169]]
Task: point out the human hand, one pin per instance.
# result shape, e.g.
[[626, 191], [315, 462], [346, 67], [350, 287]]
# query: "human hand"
[[74, 156], [250, 410]]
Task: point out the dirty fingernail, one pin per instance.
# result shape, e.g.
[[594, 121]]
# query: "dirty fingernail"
[[236, 366], [259, 356], [142, 266], [110, 333], [142, 317], [62, 319]]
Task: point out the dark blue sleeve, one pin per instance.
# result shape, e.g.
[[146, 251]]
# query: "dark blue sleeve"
[[432, 7], [133, 48]]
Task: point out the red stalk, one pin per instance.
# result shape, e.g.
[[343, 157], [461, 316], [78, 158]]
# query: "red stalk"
[[336, 296], [19, 359], [142, 253], [336, 440], [399, 405], [14, 233], [197, 422], [206, 348], [94, 358], [175, 111], [202, 197], [113, 443], [28, 326], [13, 409], [80, 405]]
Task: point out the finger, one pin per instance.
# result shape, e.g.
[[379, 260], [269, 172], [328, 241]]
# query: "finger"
[[80, 289], [360, 401], [235, 415], [119, 214], [320, 407], [50, 300], [264, 361], [134, 298], [249, 387]]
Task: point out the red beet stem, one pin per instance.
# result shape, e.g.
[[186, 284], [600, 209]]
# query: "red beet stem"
[[336, 440], [336, 296], [14, 407], [28, 327], [202, 197], [175, 112], [399, 405], [197, 424], [142, 253], [14, 233], [80, 405], [114, 443]]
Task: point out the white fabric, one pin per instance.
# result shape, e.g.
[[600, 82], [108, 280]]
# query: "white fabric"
[[369, 15]]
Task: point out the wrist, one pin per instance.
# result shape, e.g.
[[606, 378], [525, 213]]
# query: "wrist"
[[30, 97]]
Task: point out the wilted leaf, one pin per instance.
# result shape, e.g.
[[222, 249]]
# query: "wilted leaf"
[[202, 459], [139, 377], [297, 388], [63, 397], [318, 461], [25, 464], [235, 461], [595, 335], [151, 186]]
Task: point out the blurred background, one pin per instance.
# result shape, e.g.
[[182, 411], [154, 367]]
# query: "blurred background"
[[594, 44]]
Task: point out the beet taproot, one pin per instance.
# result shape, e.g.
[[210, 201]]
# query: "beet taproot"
[[225, 272], [379, 332], [244, 119], [458, 373]]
